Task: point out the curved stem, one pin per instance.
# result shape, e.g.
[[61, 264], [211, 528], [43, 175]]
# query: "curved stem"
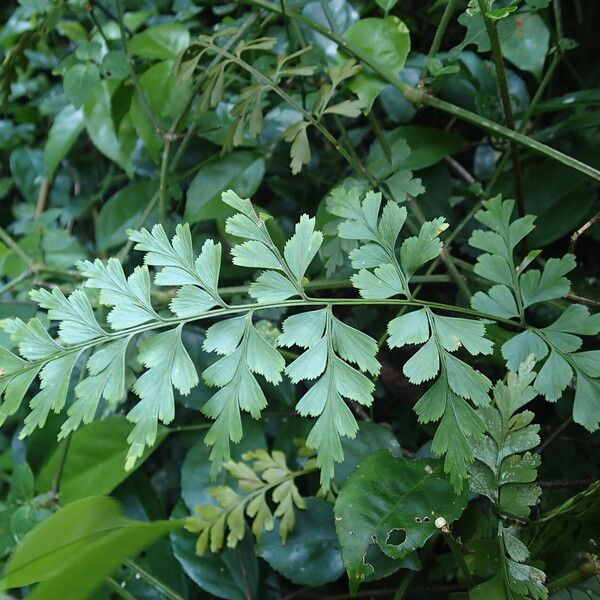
[[351, 158], [460, 559], [8, 240], [160, 323], [154, 582], [171, 134]]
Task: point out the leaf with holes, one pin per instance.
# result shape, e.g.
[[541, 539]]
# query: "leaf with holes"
[[411, 495]]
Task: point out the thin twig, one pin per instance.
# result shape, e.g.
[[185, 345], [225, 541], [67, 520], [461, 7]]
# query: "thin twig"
[[404, 585], [589, 568], [165, 167], [460, 559], [568, 483], [14, 282], [62, 461], [582, 299], [581, 230], [130, 63], [42, 196], [118, 589], [153, 581], [459, 169], [10, 242], [554, 435], [380, 135], [505, 157], [353, 161], [422, 97]]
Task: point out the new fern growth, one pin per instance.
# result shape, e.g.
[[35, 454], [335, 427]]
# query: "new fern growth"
[[140, 348], [258, 474]]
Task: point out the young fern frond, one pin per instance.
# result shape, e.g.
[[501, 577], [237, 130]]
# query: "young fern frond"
[[505, 472], [259, 473], [517, 288], [383, 274]]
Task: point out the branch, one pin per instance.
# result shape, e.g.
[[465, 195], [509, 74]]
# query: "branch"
[[170, 136], [421, 97]]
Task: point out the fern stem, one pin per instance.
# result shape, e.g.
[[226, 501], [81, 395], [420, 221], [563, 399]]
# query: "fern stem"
[[241, 308], [460, 559], [492, 32], [586, 570], [421, 97], [441, 29]]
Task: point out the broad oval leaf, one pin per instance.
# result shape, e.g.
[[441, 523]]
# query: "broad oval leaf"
[[385, 41], [94, 463], [166, 40], [241, 171], [65, 130], [411, 495]]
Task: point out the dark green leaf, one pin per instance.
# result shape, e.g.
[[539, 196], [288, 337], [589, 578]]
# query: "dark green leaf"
[[411, 494], [310, 556]]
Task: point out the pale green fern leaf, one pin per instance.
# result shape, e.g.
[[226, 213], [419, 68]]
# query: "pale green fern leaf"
[[330, 345], [520, 287], [75, 313], [168, 366], [245, 353], [16, 375], [385, 272], [129, 296], [197, 276], [106, 379], [54, 385], [285, 276]]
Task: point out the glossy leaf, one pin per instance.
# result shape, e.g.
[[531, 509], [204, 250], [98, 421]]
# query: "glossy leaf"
[[397, 528]]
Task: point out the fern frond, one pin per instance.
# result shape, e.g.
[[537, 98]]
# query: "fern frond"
[[505, 472], [258, 473], [518, 287], [330, 346], [245, 352], [385, 272]]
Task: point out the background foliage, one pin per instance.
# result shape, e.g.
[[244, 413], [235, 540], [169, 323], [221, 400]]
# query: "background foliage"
[[380, 376]]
